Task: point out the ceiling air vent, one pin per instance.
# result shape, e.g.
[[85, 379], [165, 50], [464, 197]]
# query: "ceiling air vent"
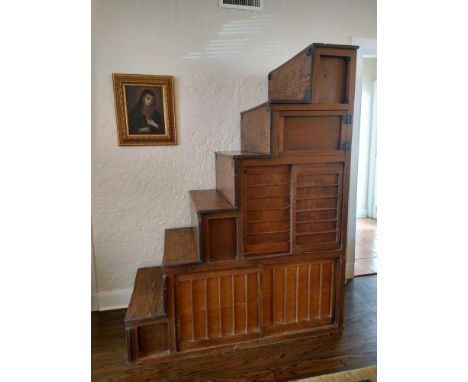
[[252, 5]]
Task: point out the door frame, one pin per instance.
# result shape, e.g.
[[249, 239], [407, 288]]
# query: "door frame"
[[371, 187], [367, 48]]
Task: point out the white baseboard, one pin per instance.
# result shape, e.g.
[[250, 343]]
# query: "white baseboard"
[[115, 299], [94, 302], [350, 270]]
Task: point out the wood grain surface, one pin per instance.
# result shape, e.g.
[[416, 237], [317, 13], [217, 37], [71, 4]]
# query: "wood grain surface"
[[284, 197], [291, 81], [204, 201], [225, 168], [301, 358], [266, 206], [256, 130], [179, 247], [219, 236], [148, 300]]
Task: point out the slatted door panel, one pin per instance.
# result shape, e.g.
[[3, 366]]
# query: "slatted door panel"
[[267, 209], [299, 295], [316, 207], [217, 307]]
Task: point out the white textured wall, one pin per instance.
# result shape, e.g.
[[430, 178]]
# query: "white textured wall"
[[369, 75], [220, 59]]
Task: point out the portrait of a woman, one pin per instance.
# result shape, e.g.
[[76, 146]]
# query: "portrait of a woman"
[[144, 109], [144, 117]]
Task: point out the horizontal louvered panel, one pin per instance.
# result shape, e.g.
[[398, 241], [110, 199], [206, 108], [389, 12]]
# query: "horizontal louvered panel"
[[317, 180], [316, 238], [311, 227], [316, 215], [315, 192], [276, 237], [316, 212], [268, 203], [271, 226], [312, 204], [266, 179], [268, 215], [267, 191], [267, 200]]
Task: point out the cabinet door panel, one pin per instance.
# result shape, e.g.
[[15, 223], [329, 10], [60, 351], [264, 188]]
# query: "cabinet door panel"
[[217, 307], [267, 201], [316, 207], [299, 295]]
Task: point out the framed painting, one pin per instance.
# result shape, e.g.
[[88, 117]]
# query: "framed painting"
[[144, 109]]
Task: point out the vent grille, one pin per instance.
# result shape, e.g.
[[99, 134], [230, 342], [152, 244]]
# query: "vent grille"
[[256, 5]]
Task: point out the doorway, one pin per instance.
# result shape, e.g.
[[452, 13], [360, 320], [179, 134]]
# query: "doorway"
[[366, 200], [361, 246]]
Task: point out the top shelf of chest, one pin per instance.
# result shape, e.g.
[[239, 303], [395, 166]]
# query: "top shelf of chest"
[[319, 74]]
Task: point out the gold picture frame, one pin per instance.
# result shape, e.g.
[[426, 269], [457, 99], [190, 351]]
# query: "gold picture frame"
[[144, 109]]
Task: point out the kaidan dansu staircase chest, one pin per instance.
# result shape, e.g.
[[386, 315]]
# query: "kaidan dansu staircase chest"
[[264, 260]]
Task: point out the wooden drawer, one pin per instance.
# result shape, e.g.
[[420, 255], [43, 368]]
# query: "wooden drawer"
[[307, 132]]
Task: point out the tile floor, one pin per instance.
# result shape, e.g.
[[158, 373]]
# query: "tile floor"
[[366, 247]]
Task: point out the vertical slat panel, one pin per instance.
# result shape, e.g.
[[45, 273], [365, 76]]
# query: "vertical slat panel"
[[314, 290], [192, 318], [213, 307], [326, 289], [309, 293], [246, 306], [239, 298], [267, 296], [332, 292], [302, 295], [278, 299], [297, 291], [220, 309], [226, 306], [290, 294], [218, 306], [302, 292], [285, 283], [252, 302], [233, 290], [320, 291], [199, 313], [184, 309], [205, 295]]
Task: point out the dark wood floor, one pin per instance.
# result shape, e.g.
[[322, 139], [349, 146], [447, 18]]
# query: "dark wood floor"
[[357, 347]]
